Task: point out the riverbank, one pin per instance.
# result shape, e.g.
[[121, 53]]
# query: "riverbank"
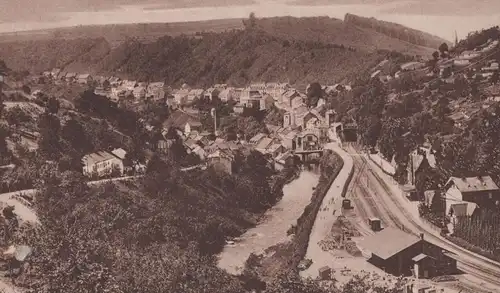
[[329, 210], [272, 228], [285, 257]]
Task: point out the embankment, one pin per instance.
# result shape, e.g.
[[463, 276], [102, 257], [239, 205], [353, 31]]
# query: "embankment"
[[286, 257]]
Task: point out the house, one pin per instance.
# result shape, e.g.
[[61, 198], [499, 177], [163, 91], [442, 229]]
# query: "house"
[[287, 137], [410, 66], [275, 150], [461, 209], [221, 160], [257, 138], [251, 98], [119, 153], [261, 87], [101, 163], [406, 254], [139, 92], [84, 78], [181, 96], [238, 108], [292, 99], [469, 55], [194, 94], [281, 160], [263, 144], [220, 86], [55, 73], [47, 74], [306, 140], [70, 77], [129, 84], [211, 93], [183, 121], [420, 159], [266, 102], [192, 146], [480, 190], [277, 89], [227, 94], [115, 81], [156, 91]]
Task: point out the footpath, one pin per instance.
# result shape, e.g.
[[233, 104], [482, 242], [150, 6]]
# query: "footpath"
[[326, 216]]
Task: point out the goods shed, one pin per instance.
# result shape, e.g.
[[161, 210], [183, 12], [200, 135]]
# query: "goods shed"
[[400, 253]]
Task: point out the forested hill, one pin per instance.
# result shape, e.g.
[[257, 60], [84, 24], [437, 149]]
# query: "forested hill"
[[395, 31], [300, 50], [354, 32], [235, 57]]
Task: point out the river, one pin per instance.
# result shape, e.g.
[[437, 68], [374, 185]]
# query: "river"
[[272, 228]]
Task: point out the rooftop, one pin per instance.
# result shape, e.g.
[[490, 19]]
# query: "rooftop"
[[120, 153], [472, 184], [97, 157], [378, 245]]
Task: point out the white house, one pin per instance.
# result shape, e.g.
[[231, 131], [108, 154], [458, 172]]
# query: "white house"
[[101, 164], [84, 78], [129, 84], [139, 92], [480, 190], [156, 90]]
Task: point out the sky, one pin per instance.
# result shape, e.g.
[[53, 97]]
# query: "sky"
[[439, 17]]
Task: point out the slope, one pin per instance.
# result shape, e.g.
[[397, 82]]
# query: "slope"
[[331, 30], [237, 57]]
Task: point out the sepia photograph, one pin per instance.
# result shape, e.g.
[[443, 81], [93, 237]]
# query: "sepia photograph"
[[249, 146]]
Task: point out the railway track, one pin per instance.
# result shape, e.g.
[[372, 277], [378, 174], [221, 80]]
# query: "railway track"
[[489, 275]]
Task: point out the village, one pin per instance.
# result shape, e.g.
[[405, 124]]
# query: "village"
[[303, 133]]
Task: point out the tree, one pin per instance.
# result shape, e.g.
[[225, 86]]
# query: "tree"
[[74, 133], [435, 55], [53, 105], [26, 89], [251, 22], [314, 93], [106, 84], [49, 144], [16, 116], [443, 48], [494, 77]]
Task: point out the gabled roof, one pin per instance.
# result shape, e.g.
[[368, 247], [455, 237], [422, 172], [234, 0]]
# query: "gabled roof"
[[257, 138], [84, 76], [120, 153], [180, 118], [264, 143], [97, 157], [473, 184], [379, 245]]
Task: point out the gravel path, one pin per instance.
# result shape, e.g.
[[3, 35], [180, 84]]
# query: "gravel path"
[[326, 217]]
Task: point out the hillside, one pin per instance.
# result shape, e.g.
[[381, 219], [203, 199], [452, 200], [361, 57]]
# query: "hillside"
[[395, 31], [116, 34], [236, 57], [349, 33]]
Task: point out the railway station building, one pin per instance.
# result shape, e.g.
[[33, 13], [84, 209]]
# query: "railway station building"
[[400, 253]]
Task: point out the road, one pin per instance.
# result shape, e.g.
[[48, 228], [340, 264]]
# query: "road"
[[328, 213], [23, 208], [375, 195]]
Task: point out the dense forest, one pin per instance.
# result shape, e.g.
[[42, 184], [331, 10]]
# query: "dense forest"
[[273, 49]]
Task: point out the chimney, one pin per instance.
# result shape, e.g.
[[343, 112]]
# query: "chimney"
[[422, 236]]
